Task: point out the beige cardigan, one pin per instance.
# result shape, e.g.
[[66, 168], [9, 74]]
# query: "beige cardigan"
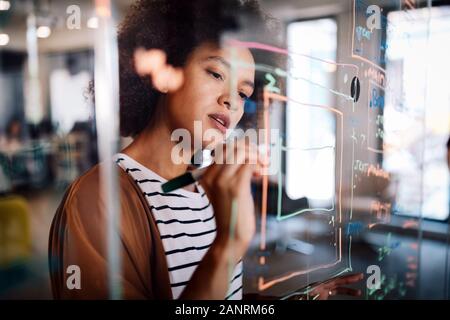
[[78, 236]]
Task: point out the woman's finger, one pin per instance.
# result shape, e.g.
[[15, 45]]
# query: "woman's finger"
[[347, 279], [210, 176], [236, 156], [346, 291], [244, 177]]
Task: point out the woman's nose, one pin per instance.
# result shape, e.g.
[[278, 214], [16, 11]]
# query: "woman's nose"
[[224, 100]]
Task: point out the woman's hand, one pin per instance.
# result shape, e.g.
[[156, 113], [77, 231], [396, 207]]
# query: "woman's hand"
[[227, 184]]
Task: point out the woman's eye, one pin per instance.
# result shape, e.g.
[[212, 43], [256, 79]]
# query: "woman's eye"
[[243, 96], [216, 75]]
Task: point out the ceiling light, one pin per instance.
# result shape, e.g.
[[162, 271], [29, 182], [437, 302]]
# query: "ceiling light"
[[92, 23], [4, 5], [4, 39], [43, 32]]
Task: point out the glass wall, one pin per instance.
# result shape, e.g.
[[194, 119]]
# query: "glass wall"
[[356, 104]]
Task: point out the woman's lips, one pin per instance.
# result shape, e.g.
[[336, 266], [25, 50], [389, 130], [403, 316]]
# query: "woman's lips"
[[220, 121]]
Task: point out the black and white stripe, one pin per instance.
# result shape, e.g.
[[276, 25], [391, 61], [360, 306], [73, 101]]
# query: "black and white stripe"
[[186, 224]]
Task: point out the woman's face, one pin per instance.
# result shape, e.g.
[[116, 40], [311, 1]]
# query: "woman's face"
[[207, 93]]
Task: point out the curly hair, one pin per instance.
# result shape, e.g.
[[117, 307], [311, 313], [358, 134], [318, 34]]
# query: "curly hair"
[[176, 27]]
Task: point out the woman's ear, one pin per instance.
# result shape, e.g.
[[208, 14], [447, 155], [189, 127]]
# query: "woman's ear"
[[165, 78]]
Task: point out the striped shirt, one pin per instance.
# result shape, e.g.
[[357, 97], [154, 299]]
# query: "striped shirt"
[[186, 224]]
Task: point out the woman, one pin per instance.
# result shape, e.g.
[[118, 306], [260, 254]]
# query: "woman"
[[175, 245]]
